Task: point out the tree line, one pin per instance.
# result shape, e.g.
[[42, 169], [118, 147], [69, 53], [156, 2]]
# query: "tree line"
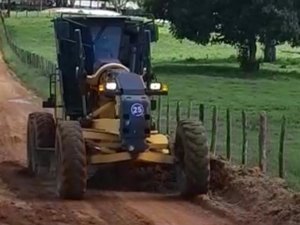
[[240, 23]]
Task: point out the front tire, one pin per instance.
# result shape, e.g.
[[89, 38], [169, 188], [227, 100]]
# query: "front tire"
[[40, 134], [192, 153], [71, 177]]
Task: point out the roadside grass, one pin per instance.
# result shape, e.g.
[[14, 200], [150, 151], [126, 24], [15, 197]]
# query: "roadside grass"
[[208, 75], [32, 78]]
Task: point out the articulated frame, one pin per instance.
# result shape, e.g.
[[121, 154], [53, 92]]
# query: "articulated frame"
[[105, 142]]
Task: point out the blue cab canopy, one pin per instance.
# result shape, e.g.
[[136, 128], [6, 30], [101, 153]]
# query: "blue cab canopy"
[[105, 36]]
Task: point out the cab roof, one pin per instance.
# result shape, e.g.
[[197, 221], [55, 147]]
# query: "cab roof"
[[96, 13]]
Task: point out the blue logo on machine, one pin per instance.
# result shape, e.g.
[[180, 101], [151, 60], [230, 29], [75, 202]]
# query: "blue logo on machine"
[[137, 109]]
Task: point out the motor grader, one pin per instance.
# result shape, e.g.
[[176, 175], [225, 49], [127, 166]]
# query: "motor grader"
[[103, 97]]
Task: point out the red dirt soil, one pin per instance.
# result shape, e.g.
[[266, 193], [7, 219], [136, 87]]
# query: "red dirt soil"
[[238, 197], [261, 199]]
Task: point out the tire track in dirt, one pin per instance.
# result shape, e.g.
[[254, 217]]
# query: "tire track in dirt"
[[39, 197], [105, 207], [170, 209]]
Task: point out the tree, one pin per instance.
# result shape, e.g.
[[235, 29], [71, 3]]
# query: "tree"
[[140, 3], [156, 7], [271, 22], [235, 22], [199, 20], [281, 25], [8, 7], [189, 19], [61, 3], [120, 4], [72, 3]]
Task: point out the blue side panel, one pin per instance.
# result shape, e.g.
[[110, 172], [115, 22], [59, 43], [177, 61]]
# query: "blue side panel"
[[135, 122]]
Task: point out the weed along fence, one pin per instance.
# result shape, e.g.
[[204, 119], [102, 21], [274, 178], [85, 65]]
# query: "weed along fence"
[[244, 137]]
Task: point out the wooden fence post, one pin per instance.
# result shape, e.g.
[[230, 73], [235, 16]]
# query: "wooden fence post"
[[281, 147], [30, 59], [263, 142], [26, 57], [38, 61], [178, 112], [168, 117], [214, 130], [53, 68], [228, 138], [245, 141], [158, 114], [35, 62], [43, 64], [189, 112], [201, 113]]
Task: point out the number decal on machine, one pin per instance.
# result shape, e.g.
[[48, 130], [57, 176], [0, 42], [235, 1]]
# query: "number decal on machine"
[[137, 110]]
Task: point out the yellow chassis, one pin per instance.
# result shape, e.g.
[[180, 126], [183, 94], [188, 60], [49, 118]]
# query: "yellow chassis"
[[104, 136]]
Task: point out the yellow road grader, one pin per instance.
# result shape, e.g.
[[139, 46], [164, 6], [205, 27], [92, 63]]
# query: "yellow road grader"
[[103, 96]]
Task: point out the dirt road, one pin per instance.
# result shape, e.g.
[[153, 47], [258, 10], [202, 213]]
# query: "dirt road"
[[26, 200]]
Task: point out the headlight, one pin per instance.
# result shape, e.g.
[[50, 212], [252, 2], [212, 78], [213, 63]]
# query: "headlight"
[[155, 86], [111, 86]]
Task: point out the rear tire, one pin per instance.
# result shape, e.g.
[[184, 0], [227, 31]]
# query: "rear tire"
[[40, 134], [71, 177], [191, 151]]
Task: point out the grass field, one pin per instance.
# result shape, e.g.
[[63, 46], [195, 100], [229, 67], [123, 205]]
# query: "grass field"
[[31, 77], [210, 75]]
